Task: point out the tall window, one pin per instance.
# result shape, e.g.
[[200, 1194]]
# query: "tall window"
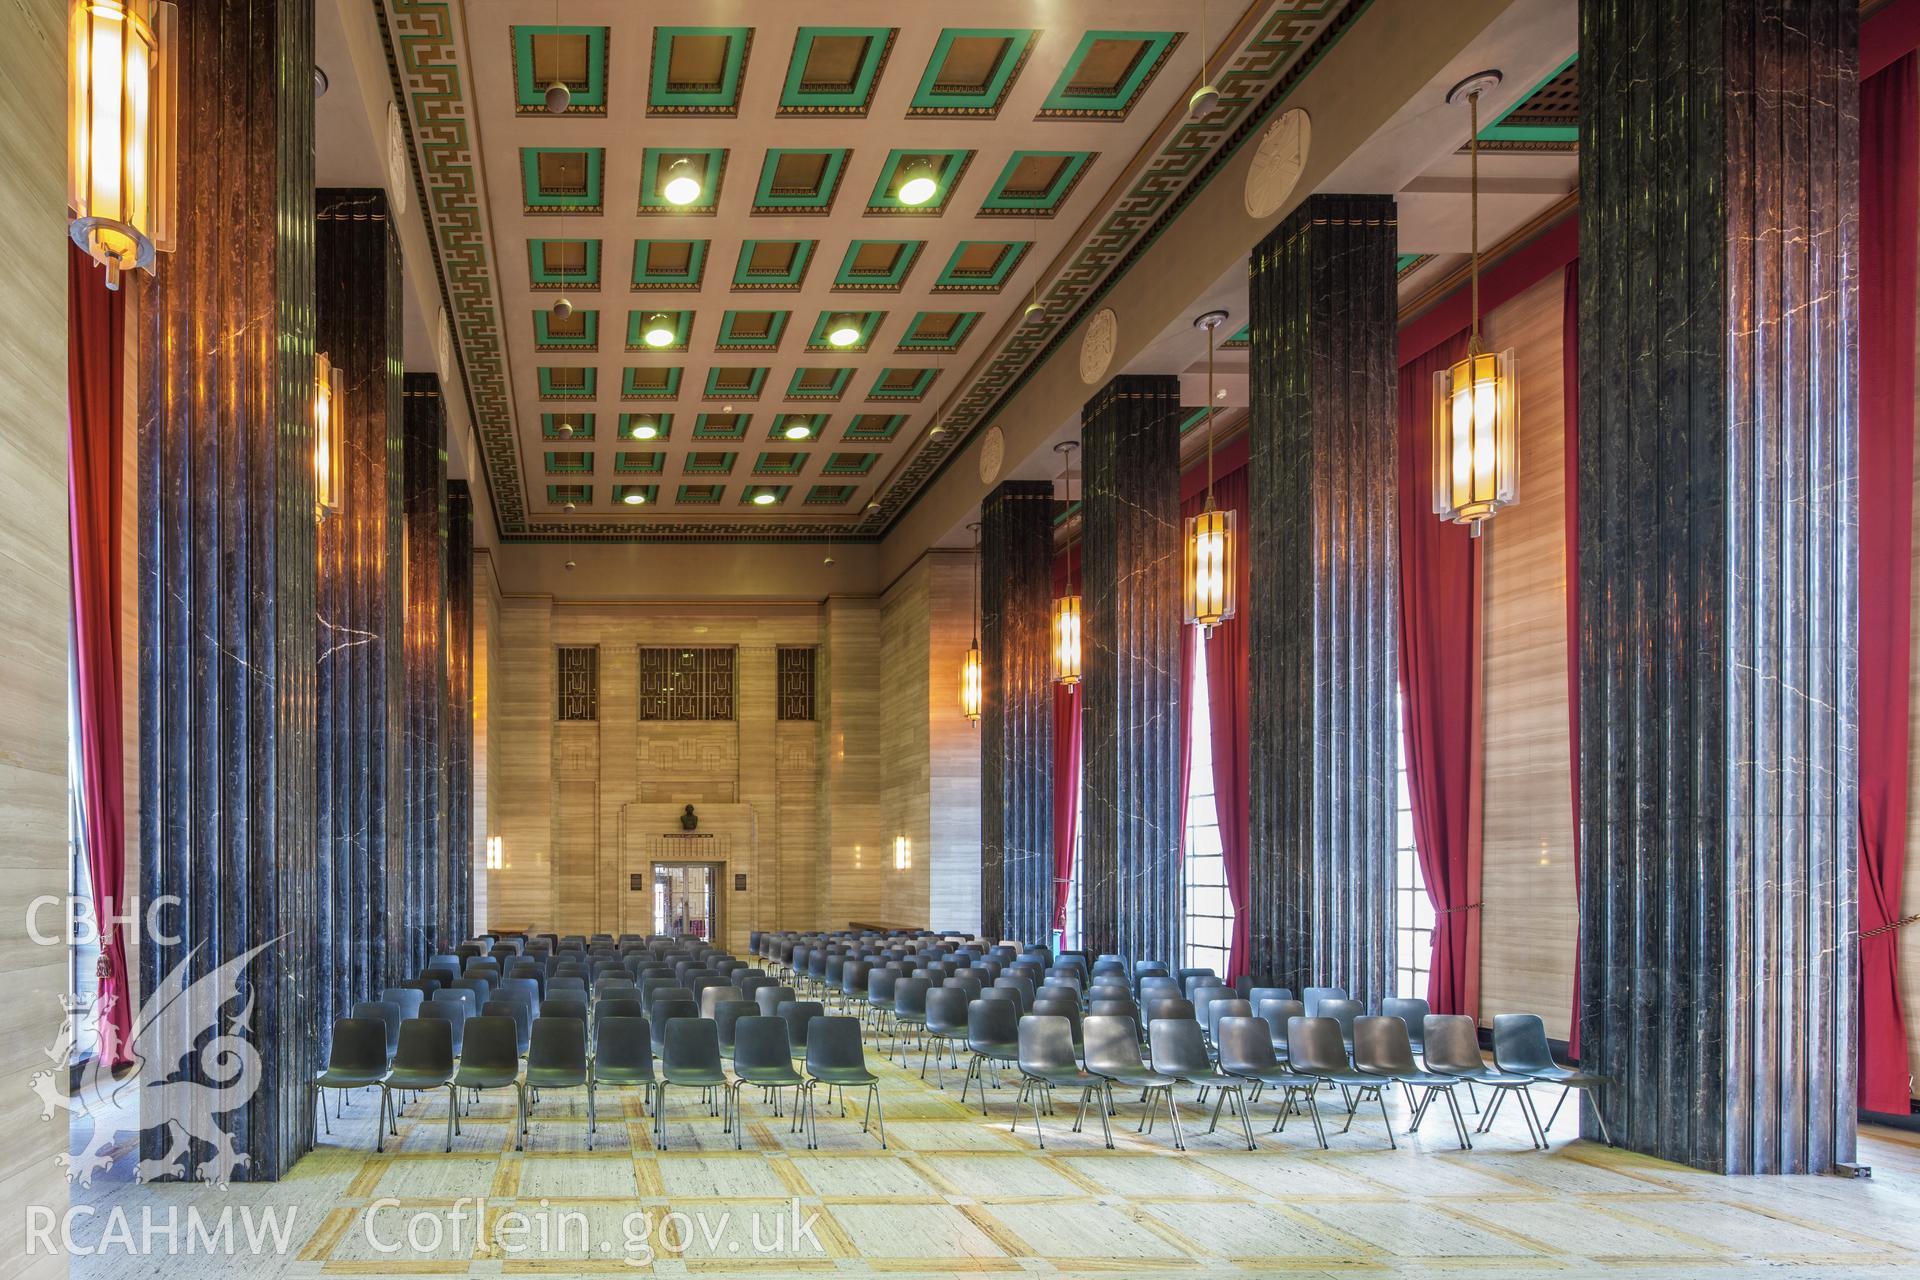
[[1209, 909], [1413, 918]]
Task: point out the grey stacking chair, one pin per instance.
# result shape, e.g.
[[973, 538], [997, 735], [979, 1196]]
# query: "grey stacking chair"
[[1256, 994], [665, 1010], [853, 983], [528, 988], [752, 983], [1381, 1048], [557, 1059], [1177, 1048], [836, 1059], [880, 988], [566, 989], [691, 1059], [480, 987], [1020, 981], [1312, 996], [769, 999], [726, 1016], [623, 1055], [468, 999], [564, 1008], [1335, 1068], [1276, 1014], [968, 982], [1520, 1048], [1316, 1052], [1218, 1009], [1057, 1008], [800, 1015], [1343, 1012], [1113, 1053], [945, 1025], [1411, 1011], [515, 1012], [909, 1011], [491, 1060], [1163, 1008], [454, 1015], [406, 999], [1047, 1061], [993, 1038], [612, 1008], [358, 1060], [1246, 1053], [763, 1057], [388, 1016], [1451, 1047], [712, 998], [425, 1061]]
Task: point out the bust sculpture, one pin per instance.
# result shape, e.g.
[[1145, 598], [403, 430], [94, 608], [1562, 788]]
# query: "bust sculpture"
[[689, 822]]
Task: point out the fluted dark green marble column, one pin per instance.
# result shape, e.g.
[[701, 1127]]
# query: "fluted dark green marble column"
[[424, 915], [1016, 716], [1719, 191], [358, 603], [459, 710], [226, 600], [1130, 695], [1321, 612]]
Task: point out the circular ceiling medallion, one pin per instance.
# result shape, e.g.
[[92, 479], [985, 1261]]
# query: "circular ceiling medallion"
[[993, 451], [1277, 163], [1097, 344]]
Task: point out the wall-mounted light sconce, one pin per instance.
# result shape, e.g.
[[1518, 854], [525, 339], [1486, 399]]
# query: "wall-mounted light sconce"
[[496, 854], [902, 853], [120, 132], [329, 434]]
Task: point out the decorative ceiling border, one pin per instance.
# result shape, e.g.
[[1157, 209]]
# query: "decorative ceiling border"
[[422, 59], [1272, 61]]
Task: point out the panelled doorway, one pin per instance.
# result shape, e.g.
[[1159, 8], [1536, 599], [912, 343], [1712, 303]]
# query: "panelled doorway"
[[686, 899]]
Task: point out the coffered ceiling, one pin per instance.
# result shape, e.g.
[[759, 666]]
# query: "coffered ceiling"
[[795, 350]]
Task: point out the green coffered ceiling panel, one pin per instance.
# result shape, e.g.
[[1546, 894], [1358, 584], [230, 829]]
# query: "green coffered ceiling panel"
[[1058, 144]]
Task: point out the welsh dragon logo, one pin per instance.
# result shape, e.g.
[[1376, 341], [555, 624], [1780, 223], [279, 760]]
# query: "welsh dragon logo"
[[176, 1016]]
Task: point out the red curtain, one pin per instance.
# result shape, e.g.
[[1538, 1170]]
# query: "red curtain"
[[1066, 793], [1440, 567], [96, 325], [1570, 475], [1227, 705], [1889, 219], [1189, 637]]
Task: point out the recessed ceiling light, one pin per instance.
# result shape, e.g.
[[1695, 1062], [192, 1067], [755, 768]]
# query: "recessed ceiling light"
[[681, 187], [659, 331], [798, 431], [726, 408], [843, 331], [764, 498], [917, 184], [634, 498], [645, 429]]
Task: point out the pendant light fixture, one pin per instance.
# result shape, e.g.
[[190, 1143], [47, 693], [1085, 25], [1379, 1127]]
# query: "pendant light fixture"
[[1066, 609], [1033, 307], [1208, 572], [1476, 426], [1207, 96], [972, 688], [120, 139]]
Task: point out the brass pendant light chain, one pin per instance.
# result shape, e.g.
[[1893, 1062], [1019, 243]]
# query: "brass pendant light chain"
[[1473, 182]]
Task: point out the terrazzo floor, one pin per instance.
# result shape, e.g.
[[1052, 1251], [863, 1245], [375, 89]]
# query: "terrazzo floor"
[[958, 1193]]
